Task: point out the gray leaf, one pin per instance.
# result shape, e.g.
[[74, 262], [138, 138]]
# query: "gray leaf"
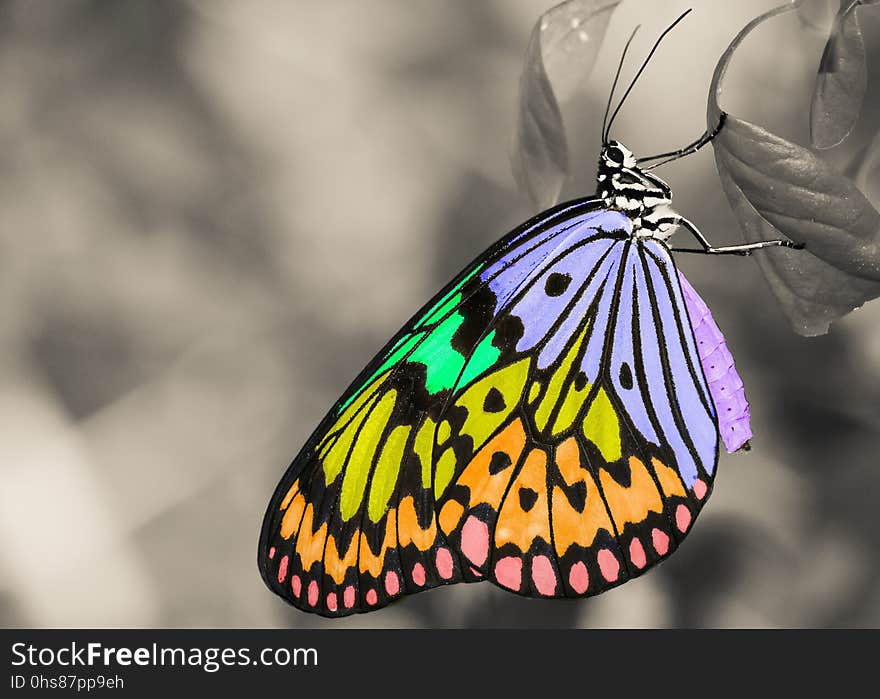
[[561, 52], [779, 189], [818, 15], [867, 177], [841, 82]]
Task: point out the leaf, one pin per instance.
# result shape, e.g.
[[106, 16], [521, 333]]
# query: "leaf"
[[561, 52], [841, 82], [812, 292], [779, 189], [539, 157], [818, 15], [867, 177]]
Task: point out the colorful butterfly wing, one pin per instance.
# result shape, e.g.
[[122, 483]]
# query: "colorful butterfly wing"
[[601, 467], [354, 522]]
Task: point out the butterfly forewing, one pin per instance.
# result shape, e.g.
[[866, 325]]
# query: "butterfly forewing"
[[543, 423]]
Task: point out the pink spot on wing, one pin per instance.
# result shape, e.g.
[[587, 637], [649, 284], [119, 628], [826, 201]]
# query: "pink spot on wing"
[[475, 540], [348, 597], [392, 583], [313, 592], [700, 489], [296, 585], [578, 578], [476, 573], [332, 604], [418, 574], [271, 552], [637, 553], [682, 518], [444, 563], [508, 572], [372, 597], [660, 539], [608, 564], [282, 569], [543, 575]]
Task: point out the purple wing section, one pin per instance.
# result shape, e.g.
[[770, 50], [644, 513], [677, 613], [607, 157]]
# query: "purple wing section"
[[602, 277], [584, 268], [626, 366], [541, 220], [551, 285], [523, 252], [509, 273], [689, 402], [725, 385]]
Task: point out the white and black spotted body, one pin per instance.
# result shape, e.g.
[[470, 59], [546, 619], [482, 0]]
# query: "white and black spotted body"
[[643, 196], [646, 198]]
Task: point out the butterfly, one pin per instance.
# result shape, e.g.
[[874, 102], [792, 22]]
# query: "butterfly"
[[550, 421]]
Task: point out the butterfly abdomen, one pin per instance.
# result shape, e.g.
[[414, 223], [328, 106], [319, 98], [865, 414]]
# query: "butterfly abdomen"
[[725, 384]]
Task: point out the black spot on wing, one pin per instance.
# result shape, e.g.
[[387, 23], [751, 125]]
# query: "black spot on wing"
[[409, 380], [626, 376], [478, 312], [499, 461], [527, 498], [577, 495], [557, 283], [619, 470], [494, 401], [508, 331]]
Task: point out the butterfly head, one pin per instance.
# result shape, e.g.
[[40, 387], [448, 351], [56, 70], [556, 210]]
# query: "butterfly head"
[[616, 156]]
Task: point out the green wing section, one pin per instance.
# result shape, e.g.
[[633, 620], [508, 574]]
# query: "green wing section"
[[427, 339]]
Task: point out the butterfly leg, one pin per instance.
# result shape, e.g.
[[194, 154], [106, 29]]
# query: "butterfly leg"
[[689, 149], [707, 249]]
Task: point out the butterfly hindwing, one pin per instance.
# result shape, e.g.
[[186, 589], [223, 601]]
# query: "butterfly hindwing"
[[601, 468]]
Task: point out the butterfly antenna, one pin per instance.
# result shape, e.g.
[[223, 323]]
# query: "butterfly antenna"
[[614, 84], [645, 65]]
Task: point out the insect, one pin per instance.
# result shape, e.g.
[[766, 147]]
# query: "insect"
[[549, 421]]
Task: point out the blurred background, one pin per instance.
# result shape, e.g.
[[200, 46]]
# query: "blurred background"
[[213, 213]]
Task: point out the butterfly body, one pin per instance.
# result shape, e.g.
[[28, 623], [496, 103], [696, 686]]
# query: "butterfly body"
[[545, 422], [642, 195]]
